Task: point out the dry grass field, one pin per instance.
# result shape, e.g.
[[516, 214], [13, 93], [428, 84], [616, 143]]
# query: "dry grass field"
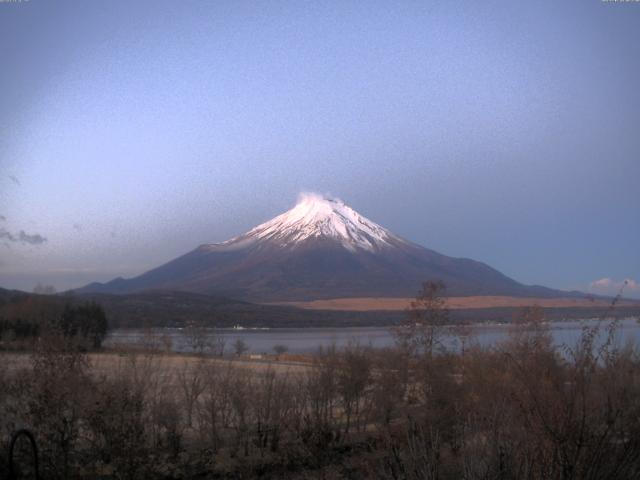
[[364, 304], [112, 363]]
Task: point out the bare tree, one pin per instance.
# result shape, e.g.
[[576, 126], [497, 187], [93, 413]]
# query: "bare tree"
[[427, 317], [272, 408], [197, 337], [56, 400], [240, 399], [280, 349], [321, 390], [214, 407], [240, 347], [116, 422], [391, 381], [191, 382], [217, 343], [354, 376]]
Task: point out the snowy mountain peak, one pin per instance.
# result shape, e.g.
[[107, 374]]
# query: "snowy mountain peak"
[[319, 217]]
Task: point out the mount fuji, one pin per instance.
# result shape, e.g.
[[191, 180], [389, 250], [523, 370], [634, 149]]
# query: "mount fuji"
[[320, 249]]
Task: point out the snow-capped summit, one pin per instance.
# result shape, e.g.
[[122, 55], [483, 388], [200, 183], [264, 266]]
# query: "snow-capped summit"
[[319, 217]]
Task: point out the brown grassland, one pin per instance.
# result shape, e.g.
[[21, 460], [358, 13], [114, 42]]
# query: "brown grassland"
[[364, 304]]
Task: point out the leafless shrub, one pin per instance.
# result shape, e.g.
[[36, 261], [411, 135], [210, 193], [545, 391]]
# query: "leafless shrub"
[[321, 389], [354, 379], [55, 401], [217, 343], [116, 427], [191, 383], [390, 386], [272, 409], [415, 456], [240, 399]]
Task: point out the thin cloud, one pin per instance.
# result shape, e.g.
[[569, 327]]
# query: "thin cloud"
[[3, 218], [35, 239], [22, 237], [7, 235], [602, 283], [610, 286], [77, 227], [14, 179]]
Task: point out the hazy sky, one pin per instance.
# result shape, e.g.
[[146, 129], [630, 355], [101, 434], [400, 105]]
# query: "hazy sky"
[[133, 131]]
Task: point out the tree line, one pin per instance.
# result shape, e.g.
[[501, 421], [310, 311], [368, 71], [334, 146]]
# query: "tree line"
[[25, 321]]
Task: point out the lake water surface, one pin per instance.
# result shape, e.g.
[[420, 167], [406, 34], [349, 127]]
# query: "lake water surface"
[[306, 340]]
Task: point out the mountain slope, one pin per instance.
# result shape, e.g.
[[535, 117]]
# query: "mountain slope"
[[321, 248]]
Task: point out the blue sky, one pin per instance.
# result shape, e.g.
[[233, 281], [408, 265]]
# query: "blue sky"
[[505, 131]]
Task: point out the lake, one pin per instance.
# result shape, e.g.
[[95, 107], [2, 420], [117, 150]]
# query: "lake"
[[307, 340]]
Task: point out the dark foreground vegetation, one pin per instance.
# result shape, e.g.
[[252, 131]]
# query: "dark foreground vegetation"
[[25, 321], [522, 409]]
